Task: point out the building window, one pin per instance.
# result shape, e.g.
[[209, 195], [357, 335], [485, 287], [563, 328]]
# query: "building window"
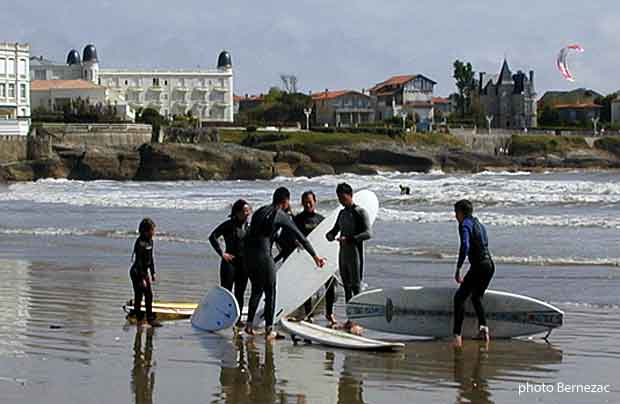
[[22, 91], [11, 67], [11, 90], [2, 66], [2, 90], [126, 82], [39, 74], [21, 68], [155, 82], [165, 82]]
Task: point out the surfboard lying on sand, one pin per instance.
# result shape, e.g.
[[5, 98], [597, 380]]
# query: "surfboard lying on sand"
[[298, 278], [428, 312], [218, 310], [164, 311], [336, 338]]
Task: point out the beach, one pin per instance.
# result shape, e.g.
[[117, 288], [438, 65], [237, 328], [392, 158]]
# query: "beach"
[[63, 279]]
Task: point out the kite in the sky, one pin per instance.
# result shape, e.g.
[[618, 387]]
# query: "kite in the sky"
[[561, 62]]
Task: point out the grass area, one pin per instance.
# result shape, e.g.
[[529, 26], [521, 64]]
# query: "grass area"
[[544, 144], [609, 143], [430, 140]]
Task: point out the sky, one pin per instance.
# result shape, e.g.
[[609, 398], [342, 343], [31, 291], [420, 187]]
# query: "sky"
[[330, 44]]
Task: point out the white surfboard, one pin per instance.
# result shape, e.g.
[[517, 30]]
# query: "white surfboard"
[[428, 312], [299, 278], [218, 310], [336, 338]]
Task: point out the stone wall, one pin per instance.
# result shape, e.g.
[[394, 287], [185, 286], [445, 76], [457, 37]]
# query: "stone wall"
[[496, 143], [105, 135], [13, 148]]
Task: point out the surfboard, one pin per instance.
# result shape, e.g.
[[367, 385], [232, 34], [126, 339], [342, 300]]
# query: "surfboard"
[[164, 311], [428, 312], [336, 338], [299, 278], [218, 310]]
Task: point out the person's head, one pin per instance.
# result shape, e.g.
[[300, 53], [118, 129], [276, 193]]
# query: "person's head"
[[240, 210], [308, 201], [463, 209], [146, 228], [281, 198], [345, 194]]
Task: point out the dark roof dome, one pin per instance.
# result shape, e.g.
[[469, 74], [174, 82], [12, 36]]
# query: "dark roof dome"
[[73, 58], [90, 53], [224, 61]]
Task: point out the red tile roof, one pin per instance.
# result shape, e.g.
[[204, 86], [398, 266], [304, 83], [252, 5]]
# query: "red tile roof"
[[248, 97], [44, 85], [330, 95], [394, 81], [440, 100]]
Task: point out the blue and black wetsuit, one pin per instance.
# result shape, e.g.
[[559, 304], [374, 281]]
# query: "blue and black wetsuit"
[[143, 263], [258, 259], [474, 247], [232, 273]]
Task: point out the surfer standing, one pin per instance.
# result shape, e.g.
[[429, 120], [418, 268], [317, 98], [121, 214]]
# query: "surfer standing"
[[234, 230], [258, 259], [474, 247], [143, 263], [352, 228]]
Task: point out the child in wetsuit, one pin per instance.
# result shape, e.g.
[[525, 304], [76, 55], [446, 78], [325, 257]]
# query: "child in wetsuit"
[[143, 263], [234, 230], [475, 247]]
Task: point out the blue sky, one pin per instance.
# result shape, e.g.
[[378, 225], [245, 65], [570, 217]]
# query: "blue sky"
[[330, 44]]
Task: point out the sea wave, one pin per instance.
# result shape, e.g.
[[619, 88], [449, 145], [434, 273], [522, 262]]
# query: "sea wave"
[[501, 219], [515, 260]]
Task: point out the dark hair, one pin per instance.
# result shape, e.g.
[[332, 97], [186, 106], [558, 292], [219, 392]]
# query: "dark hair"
[[280, 195], [344, 188], [465, 207], [308, 193], [145, 225], [238, 207]]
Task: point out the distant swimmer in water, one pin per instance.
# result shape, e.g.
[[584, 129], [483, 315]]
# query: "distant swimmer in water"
[[475, 247], [405, 190], [143, 263], [351, 229], [264, 225], [233, 230]]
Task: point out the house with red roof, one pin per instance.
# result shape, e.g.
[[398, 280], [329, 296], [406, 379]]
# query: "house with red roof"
[[344, 108], [411, 94]]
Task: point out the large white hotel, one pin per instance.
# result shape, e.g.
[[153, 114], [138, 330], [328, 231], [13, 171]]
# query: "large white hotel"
[[14, 88], [205, 93]]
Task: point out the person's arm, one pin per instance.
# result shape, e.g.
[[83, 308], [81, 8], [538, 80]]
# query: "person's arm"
[[366, 233], [151, 253], [331, 235], [285, 221], [215, 235]]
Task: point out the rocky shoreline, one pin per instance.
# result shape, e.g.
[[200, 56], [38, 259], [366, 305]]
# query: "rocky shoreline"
[[227, 161]]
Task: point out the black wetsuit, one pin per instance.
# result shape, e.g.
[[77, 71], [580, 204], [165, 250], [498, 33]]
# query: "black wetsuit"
[[258, 259], [354, 224], [139, 273], [232, 273], [475, 247]]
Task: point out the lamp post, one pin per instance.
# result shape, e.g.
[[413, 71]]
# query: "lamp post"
[[595, 124], [489, 120], [403, 115], [308, 111]]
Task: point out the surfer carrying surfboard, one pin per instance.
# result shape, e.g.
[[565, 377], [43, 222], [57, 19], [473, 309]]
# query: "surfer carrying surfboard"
[[475, 247], [351, 229], [143, 263], [258, 259], [233, 230]]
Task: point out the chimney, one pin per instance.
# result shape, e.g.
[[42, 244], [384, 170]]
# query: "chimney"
[[532, 76], [481, 75], [326, 90]]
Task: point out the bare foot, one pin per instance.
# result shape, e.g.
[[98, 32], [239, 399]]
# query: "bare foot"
[[249, 330], [331, 319], [356, 330], [458, 342], [483, 334], [271, 336]]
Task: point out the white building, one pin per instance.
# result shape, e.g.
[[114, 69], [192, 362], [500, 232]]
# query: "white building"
[[14, 89], [205, 93]]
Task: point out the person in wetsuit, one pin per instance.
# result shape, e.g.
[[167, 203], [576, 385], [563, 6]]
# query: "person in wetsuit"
[[233, 230], [353, 228], [259, 261], [306, 222], [475, 247], [143, 263]]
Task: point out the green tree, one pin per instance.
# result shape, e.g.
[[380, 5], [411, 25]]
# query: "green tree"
[[605, 102], [464, 77]]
